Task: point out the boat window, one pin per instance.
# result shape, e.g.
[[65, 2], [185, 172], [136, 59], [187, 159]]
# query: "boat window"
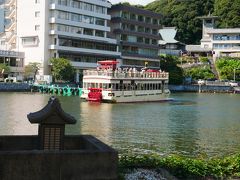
[[159, 86], [150, 86], [104, 86]]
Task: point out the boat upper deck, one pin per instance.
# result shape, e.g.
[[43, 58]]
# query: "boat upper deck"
[[126, 74]]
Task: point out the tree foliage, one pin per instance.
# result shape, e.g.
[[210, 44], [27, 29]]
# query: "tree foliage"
[[169, 64], [62, 69], [4, 69], [183, 15], [227, 66], [229, 13], [31, 69], [199, 73]]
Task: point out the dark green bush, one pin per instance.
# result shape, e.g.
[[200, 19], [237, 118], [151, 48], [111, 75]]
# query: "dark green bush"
[[185, 167]]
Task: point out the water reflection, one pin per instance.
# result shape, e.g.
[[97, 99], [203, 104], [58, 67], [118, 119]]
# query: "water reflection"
[[14, 110], [183, 123], [97, 120], [72, 106]]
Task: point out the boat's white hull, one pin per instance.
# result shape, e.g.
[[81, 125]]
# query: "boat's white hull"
[[132, 96]]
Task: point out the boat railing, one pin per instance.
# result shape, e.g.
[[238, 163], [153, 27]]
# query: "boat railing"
[[128, 74]]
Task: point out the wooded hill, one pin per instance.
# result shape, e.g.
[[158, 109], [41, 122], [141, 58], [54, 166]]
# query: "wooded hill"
[[183, 14]]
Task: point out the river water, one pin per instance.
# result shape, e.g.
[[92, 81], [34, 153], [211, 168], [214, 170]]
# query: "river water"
[[192, 124]]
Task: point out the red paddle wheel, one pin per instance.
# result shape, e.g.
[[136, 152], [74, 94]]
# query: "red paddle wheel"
[[95, 94]]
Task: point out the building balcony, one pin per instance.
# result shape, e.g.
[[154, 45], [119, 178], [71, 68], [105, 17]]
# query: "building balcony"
[[135, 22], [95, 2], [55, 20], [226, 41], [54, 6], [170, 52], [136, 55], [228, 49], [84, 50], [83, 36], [136, 33]]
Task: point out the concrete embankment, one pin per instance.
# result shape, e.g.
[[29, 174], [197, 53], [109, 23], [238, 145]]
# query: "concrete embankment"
[[201, 88], [14, 87]]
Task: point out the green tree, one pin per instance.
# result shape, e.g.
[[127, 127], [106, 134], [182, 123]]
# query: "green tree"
[[226, 67], [229, 13], [199, 73], [31, 70], [62, 69], [4, 69], [169, 64]]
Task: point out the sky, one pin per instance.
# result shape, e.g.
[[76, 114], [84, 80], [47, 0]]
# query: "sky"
[[133, 2]]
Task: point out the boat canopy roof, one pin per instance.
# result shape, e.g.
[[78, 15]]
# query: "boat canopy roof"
[[108, 64]]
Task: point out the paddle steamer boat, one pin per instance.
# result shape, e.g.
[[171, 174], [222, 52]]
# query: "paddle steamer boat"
[[108, 83]]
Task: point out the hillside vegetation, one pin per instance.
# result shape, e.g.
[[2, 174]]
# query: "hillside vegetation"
[[183, 14]]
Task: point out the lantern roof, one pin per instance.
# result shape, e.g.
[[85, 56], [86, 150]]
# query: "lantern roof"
[[52, 113]]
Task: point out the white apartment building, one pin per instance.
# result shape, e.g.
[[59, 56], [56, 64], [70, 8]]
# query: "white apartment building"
[[219, 41], [73, 29]]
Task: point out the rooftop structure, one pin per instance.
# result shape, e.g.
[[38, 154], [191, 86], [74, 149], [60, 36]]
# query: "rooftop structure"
[[136, 31], [168, 43]]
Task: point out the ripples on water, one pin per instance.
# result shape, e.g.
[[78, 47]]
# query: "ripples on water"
[[191, 124]]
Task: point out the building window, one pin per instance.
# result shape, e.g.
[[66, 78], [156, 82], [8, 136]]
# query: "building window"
[[140, 29], [147, 41], [100, 22], [154, 41], [147, 30], [125, 15], [155, 21], [29, 41], [155, 31], [148, 20], [133, 16], [140, 18], [37, 14], [99, 33], [87, 31], [132, 27], [88, 19], [37, 27], [62, 2], [88, 7], [140, 39], [100, 9], [132, 39], [124, 37]]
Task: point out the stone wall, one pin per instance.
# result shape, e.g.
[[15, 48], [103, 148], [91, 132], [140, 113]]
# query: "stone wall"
[[202, 88], [83, 157], [14, 87]]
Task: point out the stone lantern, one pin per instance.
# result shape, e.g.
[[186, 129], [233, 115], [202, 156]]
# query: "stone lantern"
[[51, 129]]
